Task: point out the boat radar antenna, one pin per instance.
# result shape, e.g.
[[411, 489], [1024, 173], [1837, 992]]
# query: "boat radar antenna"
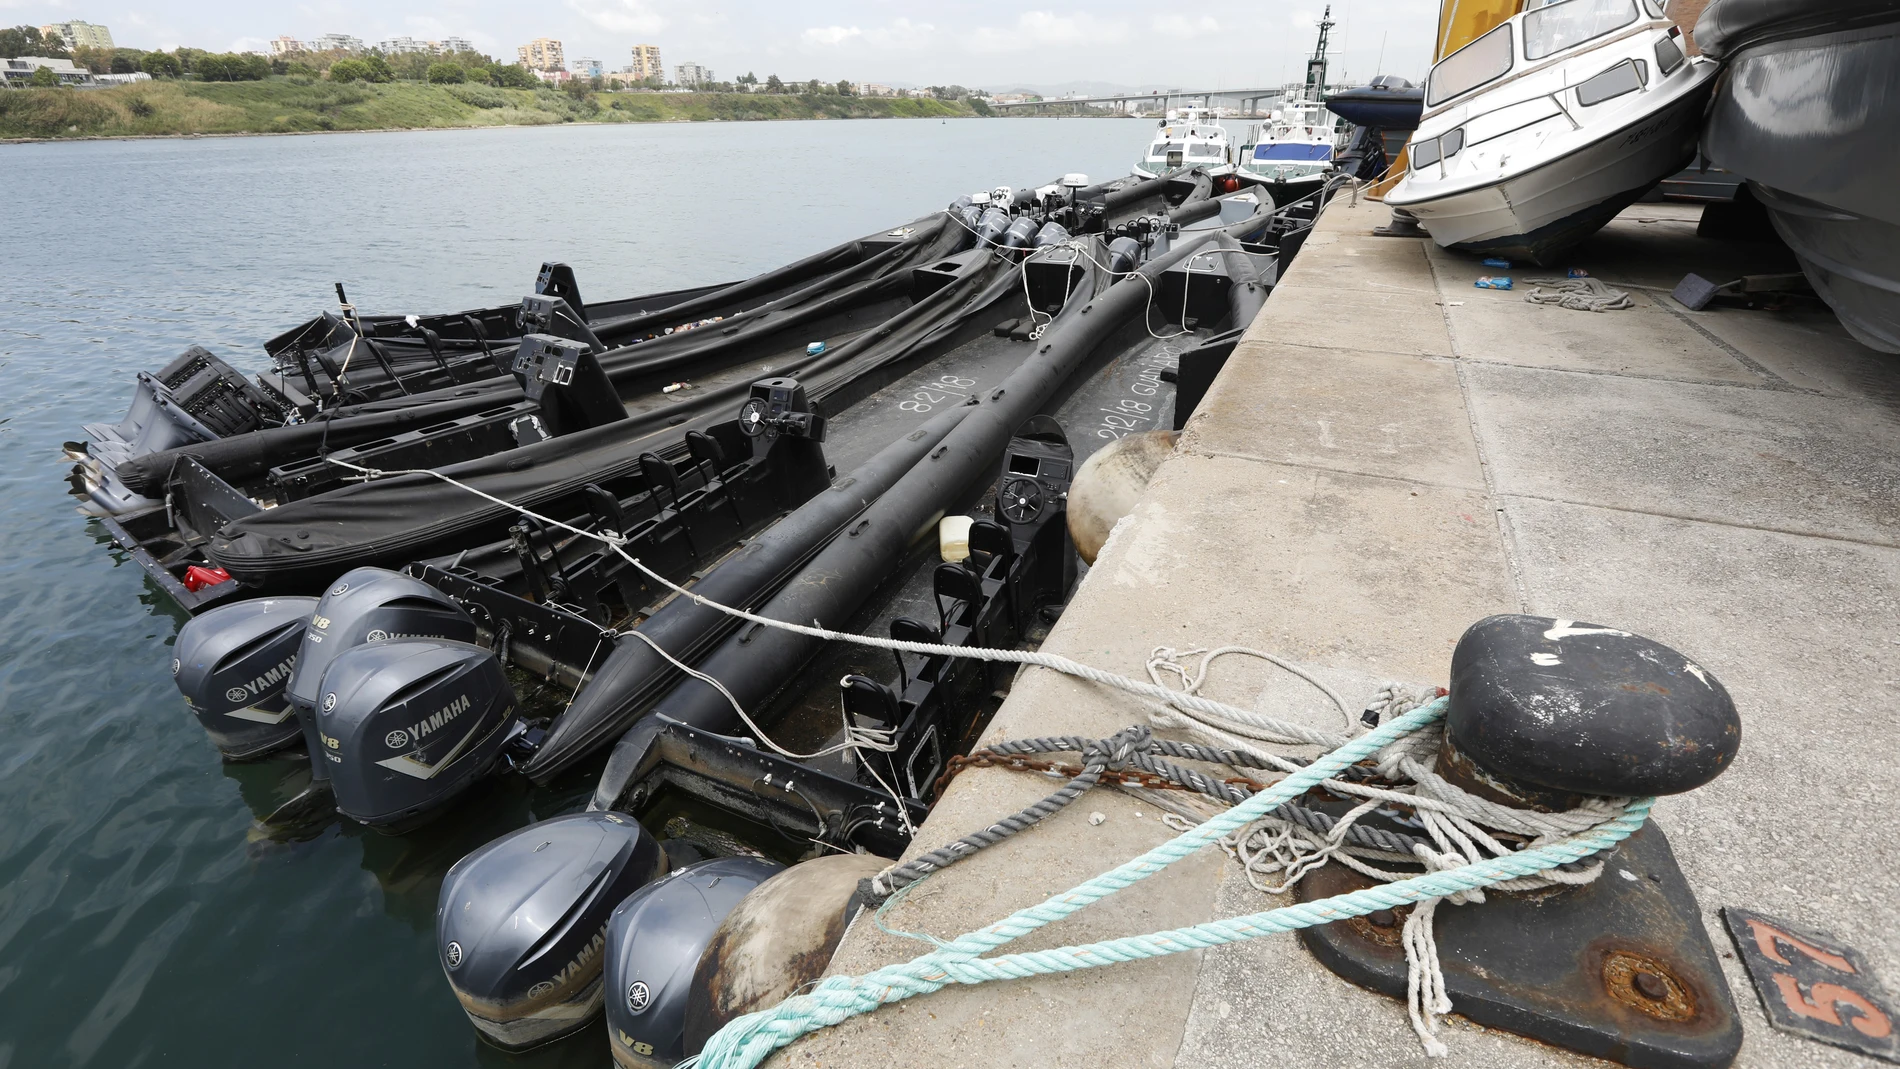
[[1316, 67]]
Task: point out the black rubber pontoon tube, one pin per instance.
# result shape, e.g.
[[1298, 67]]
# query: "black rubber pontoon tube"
[[757, 662], [634, 674], [243, 457], [246, 457], [400, 518]]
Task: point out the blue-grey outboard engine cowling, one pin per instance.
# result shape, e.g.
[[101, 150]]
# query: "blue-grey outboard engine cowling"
[[654, 942], [1021, 233], [991, 228], [232, 664], [365, 605], [413, 721], [521, 923]]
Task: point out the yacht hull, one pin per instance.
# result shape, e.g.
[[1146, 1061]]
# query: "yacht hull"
[[1539, 213], [1809, 120]]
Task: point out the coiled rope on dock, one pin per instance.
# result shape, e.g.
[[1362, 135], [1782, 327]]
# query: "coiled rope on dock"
[[1578, 294]]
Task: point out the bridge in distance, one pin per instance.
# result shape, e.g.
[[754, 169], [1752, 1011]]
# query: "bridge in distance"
[[1162, 99]]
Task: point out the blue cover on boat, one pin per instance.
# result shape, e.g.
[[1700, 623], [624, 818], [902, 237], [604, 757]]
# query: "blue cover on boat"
[[1294, 152]]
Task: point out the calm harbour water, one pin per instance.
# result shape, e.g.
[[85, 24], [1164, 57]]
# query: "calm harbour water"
[[141, 922]]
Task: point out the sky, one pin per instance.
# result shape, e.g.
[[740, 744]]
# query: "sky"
[[996, 46]]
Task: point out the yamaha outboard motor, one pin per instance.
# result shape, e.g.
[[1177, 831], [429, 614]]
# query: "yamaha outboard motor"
[[366, 605], [1124, 255], [521, 923], [1020, 233], [411, 722], [965, 217], [232, 664], [990, 230], [654, 943], [1052, 233]]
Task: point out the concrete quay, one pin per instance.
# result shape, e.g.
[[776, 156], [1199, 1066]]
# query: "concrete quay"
[[1390, 455]]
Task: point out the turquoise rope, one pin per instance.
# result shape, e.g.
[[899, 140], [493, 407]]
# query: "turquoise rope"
[[746, 1041]]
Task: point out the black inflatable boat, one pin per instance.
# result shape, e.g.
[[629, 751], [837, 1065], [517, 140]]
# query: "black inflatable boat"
[[418, 637]]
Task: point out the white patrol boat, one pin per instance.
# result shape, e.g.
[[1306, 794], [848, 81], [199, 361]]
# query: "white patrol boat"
[[1291, 153], [1187, 138]]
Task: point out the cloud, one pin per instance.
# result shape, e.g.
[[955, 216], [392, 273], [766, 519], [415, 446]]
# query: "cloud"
[[619, 16], [1046, 29], [251, 44], [902, 34], [831, 36], [1183, 26]]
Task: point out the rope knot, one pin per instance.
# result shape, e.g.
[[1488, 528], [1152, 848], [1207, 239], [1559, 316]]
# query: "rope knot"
[[1116, 750]]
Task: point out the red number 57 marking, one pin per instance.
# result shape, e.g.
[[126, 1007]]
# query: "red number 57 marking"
[[1812, 987]]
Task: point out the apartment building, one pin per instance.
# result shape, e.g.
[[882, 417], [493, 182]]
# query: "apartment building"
[[78, 34], [337, 42], [646, 63], [692, 74], [542, 54]]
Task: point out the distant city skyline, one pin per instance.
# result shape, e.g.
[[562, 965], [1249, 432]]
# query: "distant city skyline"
[[986, 44]]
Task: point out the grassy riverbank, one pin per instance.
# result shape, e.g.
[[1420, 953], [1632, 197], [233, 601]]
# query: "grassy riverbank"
[[284, 105]]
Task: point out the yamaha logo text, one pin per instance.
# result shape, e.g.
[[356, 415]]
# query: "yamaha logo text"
[[422, 729]]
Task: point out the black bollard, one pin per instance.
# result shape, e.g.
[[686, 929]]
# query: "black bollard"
[[1544, 714], [1546, 711]]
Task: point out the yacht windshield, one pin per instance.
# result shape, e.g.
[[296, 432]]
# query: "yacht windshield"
[[1554, 27], [1484, 60], [1204, 150], [1160, 149], [1298, 152]]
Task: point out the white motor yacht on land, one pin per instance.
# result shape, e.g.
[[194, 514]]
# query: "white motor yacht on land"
[[1539, 132], [1187, 138]]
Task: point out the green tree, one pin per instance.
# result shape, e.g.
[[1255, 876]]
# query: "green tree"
[[161, 65], [43, 78], [378, 70], [188, 58], [845, 89], [300, 70], [814, 87], [513, 76], [773, 85], [27, 41], [349, 70], [979, 105], [411, 66], [232, 67], [748, 79], [96, 60], [125, 60], [447, 73]]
